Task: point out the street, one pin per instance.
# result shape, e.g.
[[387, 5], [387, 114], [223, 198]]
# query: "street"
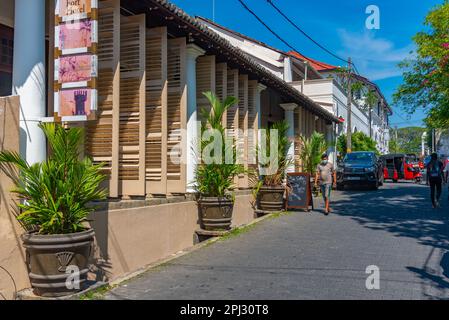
[[312, 256]]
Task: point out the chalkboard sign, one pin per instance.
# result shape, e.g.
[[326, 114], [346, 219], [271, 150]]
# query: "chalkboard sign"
[[300, 191]]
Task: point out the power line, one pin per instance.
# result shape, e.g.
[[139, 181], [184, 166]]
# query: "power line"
[[310, 38], [303, 32], [273, 32]]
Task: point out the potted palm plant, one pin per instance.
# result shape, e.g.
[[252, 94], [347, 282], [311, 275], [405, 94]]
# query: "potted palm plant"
[[271, 188], [214, 175], [54, 197], [311, 151]]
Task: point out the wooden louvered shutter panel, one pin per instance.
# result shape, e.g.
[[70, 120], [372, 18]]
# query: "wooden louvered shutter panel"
[[176, 115], [132, 106], [221, 81], [252, 124], [242, 148], [232, 114], [205, 81], [156, 111], [102, 134]]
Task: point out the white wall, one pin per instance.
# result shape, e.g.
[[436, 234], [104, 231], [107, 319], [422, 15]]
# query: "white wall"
[[270, 59], [329, 94]]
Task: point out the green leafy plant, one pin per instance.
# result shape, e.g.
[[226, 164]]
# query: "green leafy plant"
[[311, 150], [426, 72], [54, 194], [216, 178], [283, 160], [360, 142]]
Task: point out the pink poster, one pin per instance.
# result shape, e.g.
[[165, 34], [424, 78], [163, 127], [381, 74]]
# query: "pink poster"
[[75, 68], [75, 35], [75, 102]]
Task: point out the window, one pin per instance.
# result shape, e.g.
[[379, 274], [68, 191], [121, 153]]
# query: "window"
[[6, 57]]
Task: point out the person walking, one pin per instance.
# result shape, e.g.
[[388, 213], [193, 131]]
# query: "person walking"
[[435, 179], [327, 177], [446, 174]]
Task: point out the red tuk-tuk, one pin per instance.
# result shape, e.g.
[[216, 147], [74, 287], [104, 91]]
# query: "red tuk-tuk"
[[401, 167]]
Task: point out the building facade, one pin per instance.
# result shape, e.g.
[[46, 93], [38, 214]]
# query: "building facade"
[[320, 82], [154, 63]]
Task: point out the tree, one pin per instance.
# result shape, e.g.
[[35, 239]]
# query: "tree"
[[393, 145], [426, 74], [360, 142]]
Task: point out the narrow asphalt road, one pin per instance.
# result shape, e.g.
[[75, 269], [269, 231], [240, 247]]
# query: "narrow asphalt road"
[[313, 256]]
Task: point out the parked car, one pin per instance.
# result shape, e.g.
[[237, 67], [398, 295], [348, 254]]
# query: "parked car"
[[360, 168]]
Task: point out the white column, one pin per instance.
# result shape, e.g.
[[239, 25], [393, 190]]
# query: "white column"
[[29, 76], [193, 126], [331, 142], [288, 73], [290, 118], [260, 88]]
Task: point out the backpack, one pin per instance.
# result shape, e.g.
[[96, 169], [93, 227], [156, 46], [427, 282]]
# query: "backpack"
[[435, 170]]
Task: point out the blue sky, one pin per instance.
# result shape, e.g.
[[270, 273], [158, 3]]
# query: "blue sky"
[[339, 26]]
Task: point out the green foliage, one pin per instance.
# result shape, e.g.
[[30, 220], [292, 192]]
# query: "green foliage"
[[394, 147], [370, 99], [426, 75], [311, 151], [283, 161], [216, 178], [55, 193], [408, 141], [360, 142]]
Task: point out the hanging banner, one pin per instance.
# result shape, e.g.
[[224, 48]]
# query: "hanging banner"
[[76, 60]]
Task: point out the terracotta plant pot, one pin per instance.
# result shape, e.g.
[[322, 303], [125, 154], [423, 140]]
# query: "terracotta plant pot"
[[53, 258], [215, 213], [271, 198]]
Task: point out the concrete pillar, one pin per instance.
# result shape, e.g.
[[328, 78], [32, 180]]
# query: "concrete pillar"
[[290, 118], [193, 125], [29, 76], [288, 70], [331, 143], [260, 88]]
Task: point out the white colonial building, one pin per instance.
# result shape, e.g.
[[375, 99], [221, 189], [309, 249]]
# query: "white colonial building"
[[320, 82]]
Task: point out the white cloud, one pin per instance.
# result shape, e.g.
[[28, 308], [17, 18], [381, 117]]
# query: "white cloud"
[[375, 58]]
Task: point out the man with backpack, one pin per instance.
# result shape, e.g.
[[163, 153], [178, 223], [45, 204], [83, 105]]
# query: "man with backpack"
[[435, 179]]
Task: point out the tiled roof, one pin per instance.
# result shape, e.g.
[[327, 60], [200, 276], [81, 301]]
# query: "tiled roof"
[[318, 65], [239, 57]]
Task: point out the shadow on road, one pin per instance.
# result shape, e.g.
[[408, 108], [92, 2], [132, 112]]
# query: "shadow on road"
[[404, 210]]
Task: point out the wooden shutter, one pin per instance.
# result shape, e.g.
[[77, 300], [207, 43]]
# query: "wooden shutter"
[[132, 106], [242, 148], [221, 82], [176, 116], [252, 124], [205, 81], [232, 90], [102, 134], [156, 111]]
